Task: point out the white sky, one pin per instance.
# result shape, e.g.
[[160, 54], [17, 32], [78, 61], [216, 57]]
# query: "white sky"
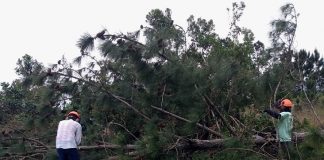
[[47, 30]]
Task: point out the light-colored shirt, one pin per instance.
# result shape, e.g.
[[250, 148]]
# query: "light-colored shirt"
[[69, 133], [284, 126]]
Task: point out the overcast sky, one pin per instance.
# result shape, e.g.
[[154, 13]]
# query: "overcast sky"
[[47, 30]]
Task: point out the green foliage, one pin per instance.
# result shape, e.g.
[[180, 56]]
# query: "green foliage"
[[92, 155], [51, 155], [152, 142], [18, 147], [313, 146], [27, 66], [233, 149], [301, 125], [258, 121], [86, 43], [321, 101]]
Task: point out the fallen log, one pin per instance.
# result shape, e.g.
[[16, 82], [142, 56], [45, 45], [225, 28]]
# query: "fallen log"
[[200, 144], [181, 144]]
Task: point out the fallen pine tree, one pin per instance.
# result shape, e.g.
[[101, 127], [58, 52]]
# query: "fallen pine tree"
[[198, 143], [40, 149]]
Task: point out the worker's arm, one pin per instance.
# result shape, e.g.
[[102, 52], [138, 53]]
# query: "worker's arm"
[[78, 134], [272, 113]]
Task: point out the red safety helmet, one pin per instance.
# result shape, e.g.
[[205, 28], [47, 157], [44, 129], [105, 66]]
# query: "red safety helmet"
[[74, 113], [286, 103]]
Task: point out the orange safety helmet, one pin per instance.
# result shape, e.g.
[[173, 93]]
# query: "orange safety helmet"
[[74, 113], [286, 103]]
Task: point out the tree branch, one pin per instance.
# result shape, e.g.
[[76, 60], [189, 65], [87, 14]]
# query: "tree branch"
[[227, 125], [188, 121], [109, 93], [312, 107]]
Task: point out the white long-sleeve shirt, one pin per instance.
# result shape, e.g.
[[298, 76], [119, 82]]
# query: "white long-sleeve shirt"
[[69, 134]]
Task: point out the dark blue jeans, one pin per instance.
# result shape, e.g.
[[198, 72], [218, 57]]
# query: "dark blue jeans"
[[68, 154]]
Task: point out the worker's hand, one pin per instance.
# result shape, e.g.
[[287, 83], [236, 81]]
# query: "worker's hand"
[[276, 104]]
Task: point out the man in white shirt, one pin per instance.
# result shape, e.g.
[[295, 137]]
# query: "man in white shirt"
[[69, 133]]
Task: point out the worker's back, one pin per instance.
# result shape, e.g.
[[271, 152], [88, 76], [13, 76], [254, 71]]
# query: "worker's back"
[[68, 134]]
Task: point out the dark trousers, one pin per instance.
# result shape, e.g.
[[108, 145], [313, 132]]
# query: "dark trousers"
[[68, 154], [287, 150]]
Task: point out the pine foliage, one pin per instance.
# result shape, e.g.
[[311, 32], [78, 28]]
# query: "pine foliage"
[[163, 87]]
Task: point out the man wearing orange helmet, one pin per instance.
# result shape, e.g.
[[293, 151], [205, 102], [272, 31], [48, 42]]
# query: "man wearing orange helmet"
[[68, 137], [284, 125]]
